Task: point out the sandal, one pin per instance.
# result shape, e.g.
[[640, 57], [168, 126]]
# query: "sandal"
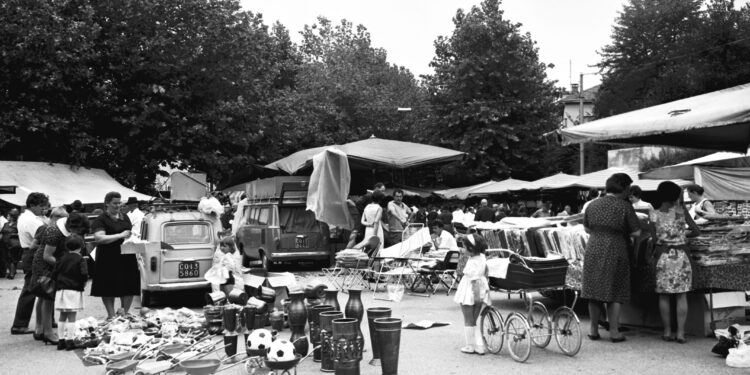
[[667, 338], [681, 341], [617, 339], [469, 349], [594, 337]]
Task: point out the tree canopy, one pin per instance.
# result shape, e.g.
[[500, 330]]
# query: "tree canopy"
[[491, 96], [667, 50]]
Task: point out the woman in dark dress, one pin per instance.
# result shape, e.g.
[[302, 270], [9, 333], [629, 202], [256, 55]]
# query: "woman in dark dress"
[[610, 220], [51, 248], [117, 274]]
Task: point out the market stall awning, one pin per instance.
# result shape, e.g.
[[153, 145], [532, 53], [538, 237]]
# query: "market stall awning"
[[684, 170], [548, 182], [498, 187], [460, 192], [718, 120], [598, 180], [374, 152], [61, 182]]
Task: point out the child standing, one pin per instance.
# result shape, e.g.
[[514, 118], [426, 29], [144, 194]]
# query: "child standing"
[[230, 259], [70, 275], [473, 292]]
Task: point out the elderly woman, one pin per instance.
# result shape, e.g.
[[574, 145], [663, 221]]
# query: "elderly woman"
[[610, 220], [116, 274], [51, 248]]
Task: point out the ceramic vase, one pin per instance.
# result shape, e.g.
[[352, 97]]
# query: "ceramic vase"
[[326, 339], [297, 320], [313, 319], [388, 331], [372, 314], [332, 299], [347, 346], [355, 309]]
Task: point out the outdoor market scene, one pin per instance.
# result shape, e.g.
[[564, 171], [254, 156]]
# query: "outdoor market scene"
[[247, 187]]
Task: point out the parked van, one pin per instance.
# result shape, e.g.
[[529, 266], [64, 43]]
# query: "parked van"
[[187, 239], [276, 226]]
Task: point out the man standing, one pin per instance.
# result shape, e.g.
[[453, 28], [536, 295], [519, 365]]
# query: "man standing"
[[398, 218], [135, 215], [484, 213], [28, 223], [543, 212]]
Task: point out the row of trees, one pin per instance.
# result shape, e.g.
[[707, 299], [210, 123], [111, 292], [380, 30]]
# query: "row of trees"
[[132, 85], [128, 86]]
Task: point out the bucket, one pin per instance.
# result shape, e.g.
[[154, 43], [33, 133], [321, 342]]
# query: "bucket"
[[237, 297], [216, 298]]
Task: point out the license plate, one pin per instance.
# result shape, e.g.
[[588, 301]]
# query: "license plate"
[[301, 241], [188, 270]]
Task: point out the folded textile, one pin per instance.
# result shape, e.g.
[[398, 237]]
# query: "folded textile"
[[498, 267]]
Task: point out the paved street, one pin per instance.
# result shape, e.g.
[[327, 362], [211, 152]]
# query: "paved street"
[[432, 351]]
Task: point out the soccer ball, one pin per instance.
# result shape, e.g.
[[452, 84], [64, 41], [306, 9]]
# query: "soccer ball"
[[281, 350], [259, 339]]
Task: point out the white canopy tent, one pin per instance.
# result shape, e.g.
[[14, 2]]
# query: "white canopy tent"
[[63, 183], [718, 120]]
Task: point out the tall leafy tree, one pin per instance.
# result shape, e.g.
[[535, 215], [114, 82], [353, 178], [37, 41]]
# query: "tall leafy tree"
[[131, 85], [345, 90], [664, 50], [491, 96]]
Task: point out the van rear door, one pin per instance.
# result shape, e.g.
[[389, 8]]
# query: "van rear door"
[[192, 254]]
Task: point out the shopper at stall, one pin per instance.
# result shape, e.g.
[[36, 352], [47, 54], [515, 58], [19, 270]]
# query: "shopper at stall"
[[44, 305], [227, 261], [117, 274], [398, 218], [11, 244], [635, 199], [485, 213], [371, 217], [51, 249], [674, 275], [701, 206], [610, 220], [543, 211], [567, 211], [473, 292], [70, 275], [28, 223]]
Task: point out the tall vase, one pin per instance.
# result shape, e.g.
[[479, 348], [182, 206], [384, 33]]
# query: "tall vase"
[[326, 339], [372, 314], [347, 346], [389, 340], [313, 318], [332, 299], [355, 309], [297, 320]]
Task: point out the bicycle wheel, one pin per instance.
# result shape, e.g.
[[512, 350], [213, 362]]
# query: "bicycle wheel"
[[540, 324], [491, 324], [567, 331], [519, 340]]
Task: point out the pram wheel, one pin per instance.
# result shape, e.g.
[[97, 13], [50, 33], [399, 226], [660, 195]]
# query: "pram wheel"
[[540, 324], [567, 331], [519, 337], [491, 324]]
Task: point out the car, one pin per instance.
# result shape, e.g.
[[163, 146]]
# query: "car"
[[277, 227], [187, 240]]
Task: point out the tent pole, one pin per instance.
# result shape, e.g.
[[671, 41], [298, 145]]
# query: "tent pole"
[[580, 122]]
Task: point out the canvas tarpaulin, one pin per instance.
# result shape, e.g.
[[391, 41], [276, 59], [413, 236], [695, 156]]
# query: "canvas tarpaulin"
[[724, 183], [61, 182], [717, 120], [598, 180], [461, 192], [498, 187], [329, 188], [684, 170], [373, 152]]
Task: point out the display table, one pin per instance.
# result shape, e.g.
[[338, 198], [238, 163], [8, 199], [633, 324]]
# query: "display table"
[[725, 276]]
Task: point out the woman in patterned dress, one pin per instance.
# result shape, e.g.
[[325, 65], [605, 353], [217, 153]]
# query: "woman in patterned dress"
[[673, 273], [610, 220]]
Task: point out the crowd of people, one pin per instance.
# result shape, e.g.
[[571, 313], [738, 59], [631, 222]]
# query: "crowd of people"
[[49, 243]]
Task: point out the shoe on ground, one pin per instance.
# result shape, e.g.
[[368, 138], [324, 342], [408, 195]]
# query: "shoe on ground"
[[480, 349], [20, 331], [468, 349]]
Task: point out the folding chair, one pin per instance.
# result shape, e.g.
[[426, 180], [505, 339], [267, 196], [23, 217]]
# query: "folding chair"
[[442, 273], [394, 270]]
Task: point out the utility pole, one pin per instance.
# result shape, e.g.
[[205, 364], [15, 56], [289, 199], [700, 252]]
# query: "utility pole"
[[580, 121]]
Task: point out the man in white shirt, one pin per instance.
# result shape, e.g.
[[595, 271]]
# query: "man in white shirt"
[[28, 223], [135, 215], [635, 199], [458, 214], [398, 218], [442, 239]]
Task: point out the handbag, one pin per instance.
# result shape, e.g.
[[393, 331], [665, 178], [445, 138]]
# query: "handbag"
[[44, 287]]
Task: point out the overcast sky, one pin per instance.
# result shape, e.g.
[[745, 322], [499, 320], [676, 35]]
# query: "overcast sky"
[[568, 32]]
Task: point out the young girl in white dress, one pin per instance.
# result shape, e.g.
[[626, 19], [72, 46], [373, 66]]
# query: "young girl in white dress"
[[371, 216], [473, 292]]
